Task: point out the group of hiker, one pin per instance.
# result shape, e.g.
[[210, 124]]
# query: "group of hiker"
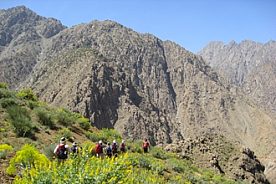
[[62, 150], [109, 149]]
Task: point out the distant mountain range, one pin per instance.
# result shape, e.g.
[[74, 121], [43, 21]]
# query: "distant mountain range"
[[249, 65], [136, 83]]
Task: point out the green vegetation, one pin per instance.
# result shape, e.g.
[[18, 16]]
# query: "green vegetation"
[[65, 117], [6, 102], [84, 123], [3, 85], [23, 115], [49, 151], [106, 135], [45, 117], [27, 157], [21, 121], [64, 132], [27, 115], [27, 94], [4, 149], [126, 168]]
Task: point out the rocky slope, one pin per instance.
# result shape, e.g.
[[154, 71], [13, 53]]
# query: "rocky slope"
[[222, 156], [23, 35], [249, 65], [145, 87]]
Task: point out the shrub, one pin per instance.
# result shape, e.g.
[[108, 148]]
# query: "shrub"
[[106, 135], [95, 137], [111, 134], [136, 147], [160, 153], [64, 132], [5, 93], [49, 151], [4, 85], [6, 102], [27, 157], [33, 104], [4, 149], [84, 123], [147, 176], [20, 120], [174, 163], [27, 94], [147, 162], [144, 162], [45, 117], [64, 117], [87, 148]]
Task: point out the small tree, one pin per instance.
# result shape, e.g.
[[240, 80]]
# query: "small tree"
[[4, 149], [21, 121], [27, 94], [27, 157], [4, 85]]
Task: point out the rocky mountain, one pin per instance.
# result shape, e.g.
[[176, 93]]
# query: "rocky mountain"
[[145, 87], [249, 65], [23, 35]]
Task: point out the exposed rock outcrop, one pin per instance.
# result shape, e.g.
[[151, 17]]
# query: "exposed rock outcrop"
[[144, 87], [215, 152], [23, 35], [249, 65]]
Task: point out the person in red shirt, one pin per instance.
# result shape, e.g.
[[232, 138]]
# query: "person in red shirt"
[[146, 146], [123, 146], [99, 149]]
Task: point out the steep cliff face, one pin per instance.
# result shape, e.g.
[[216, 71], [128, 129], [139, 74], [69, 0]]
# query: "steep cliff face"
[[249, 65], [145, 87], [206, 102], [119, 79], [22, 36]]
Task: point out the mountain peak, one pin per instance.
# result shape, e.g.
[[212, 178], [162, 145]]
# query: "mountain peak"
[[18, 10]]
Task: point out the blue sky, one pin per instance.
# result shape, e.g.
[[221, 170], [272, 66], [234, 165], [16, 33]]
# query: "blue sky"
[[192, 23]]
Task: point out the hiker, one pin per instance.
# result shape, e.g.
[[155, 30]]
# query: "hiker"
[[146, 146], [114, 148], [109, 150], [123, 146], [99, 149], [75, 149], [61, 150]]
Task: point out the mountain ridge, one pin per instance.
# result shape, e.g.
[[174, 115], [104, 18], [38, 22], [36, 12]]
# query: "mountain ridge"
[[23, 34], [249, 65], [144, 87]]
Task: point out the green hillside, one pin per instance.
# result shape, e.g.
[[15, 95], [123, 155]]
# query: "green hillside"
[[30, 129]]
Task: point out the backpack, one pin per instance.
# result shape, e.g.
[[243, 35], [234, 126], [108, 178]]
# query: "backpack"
[[98, 148], [114, 147], [74, 149], [61, 152], [108, 150]]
